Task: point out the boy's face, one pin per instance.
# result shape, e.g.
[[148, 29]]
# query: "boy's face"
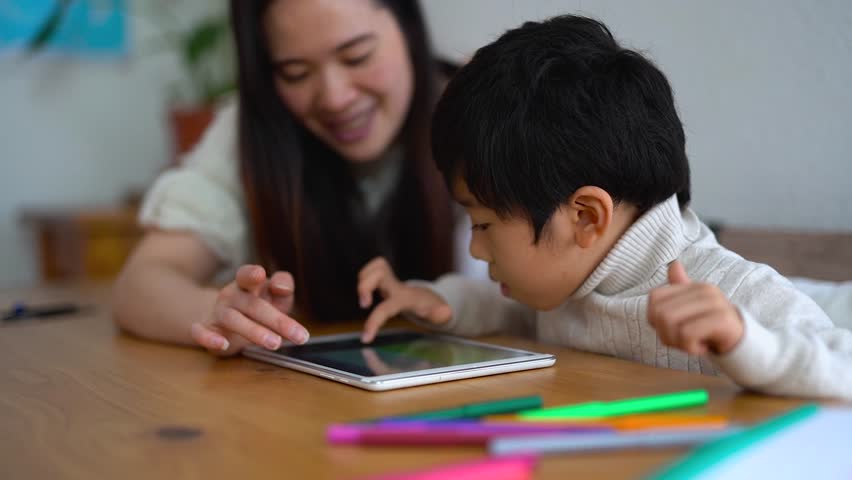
[[541, 275]]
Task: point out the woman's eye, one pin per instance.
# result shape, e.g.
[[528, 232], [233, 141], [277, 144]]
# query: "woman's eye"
[[293, 72], [480, 226], [292, 77], [355, 61]]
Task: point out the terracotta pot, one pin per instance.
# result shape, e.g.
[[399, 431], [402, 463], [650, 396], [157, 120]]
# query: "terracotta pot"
[[188, 125]]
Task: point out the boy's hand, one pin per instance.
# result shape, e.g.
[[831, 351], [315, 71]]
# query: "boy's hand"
[[399, 297], [695, 317]]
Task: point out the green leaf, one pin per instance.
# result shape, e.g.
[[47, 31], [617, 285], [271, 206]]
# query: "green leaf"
[[203, 39], [50, 27], [213, 93]]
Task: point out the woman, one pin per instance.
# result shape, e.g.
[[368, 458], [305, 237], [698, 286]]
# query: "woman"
[[321, 165]]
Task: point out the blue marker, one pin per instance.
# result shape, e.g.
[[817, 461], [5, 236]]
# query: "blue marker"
[[562, 443]]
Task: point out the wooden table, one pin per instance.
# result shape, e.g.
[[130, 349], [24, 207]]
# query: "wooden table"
[[78, 399]]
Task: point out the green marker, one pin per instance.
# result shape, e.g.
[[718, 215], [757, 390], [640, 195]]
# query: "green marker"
[[713, 453], [630, 406], [475, 410]]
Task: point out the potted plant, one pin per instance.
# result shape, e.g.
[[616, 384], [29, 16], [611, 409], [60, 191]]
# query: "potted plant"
[[206, 53]]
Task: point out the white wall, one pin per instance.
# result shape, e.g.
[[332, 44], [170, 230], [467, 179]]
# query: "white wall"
[[80, 132], [764, 88]]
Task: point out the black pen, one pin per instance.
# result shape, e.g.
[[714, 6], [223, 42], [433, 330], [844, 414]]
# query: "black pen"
[[22, 311]]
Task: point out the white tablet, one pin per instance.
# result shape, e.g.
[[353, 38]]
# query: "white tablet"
[[399, 358]]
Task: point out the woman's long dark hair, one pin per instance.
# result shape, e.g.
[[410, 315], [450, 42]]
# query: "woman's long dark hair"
[[302, 198]]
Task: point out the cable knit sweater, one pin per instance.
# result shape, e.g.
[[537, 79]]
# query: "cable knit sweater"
[[790, 346]]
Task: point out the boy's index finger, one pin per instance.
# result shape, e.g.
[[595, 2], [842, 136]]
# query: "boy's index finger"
[[440, 314], [372, 325], [374, 265], [665, 292], [379, 316], [380, 280], [677, 274], [366, 286]]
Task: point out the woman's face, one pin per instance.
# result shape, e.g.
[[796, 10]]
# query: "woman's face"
[[343, 69]]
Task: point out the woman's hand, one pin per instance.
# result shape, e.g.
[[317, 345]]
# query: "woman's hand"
[[399, 297], [251, 310]]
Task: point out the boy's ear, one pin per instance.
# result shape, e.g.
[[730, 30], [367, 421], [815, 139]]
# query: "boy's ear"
[[591, 210]]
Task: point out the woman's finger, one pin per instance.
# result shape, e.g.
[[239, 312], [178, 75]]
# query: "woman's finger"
[[280, 291], [281, 283], [283, 303], [237, 322], [251, 278], [264, 313], [207, 338]]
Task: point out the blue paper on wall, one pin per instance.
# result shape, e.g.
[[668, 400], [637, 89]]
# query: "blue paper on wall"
[[88, 27]]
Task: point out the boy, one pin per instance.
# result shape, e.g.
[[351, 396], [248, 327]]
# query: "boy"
[[568, 154]]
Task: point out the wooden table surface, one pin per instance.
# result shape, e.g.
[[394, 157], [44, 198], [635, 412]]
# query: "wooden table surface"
[[79, 399]]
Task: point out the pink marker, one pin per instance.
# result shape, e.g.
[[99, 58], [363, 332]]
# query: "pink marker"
[[440, 433], [502, 468]]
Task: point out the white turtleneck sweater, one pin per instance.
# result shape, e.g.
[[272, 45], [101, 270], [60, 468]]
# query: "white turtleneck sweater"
[[790, 346]]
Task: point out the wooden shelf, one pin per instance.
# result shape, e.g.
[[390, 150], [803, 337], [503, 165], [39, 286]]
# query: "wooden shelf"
[[82, 243]]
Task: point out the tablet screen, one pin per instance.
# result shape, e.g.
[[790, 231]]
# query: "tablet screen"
[[395, 353]]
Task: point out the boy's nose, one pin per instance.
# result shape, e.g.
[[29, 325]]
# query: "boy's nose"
[[477, 251]]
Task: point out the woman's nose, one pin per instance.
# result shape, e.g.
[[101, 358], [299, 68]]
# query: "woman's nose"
[[336, 91]]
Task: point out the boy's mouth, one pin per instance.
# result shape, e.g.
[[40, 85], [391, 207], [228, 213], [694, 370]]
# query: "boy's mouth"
[[504, 289]]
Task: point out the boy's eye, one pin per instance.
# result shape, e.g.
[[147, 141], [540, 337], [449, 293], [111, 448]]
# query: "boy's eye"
[[480, 226]]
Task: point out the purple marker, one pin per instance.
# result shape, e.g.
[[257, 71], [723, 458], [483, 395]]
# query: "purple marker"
[[443, 433]]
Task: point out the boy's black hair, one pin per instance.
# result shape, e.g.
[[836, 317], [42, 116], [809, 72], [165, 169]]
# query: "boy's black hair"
[[555, 105]]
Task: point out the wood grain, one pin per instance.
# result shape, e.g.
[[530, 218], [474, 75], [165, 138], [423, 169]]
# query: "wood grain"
[[79, 399]]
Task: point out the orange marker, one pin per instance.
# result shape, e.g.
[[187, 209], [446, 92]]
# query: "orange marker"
[[628, 422]]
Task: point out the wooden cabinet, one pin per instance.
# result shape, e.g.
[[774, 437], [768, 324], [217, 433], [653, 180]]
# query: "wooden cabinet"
[[815, 254], [82, 244]]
